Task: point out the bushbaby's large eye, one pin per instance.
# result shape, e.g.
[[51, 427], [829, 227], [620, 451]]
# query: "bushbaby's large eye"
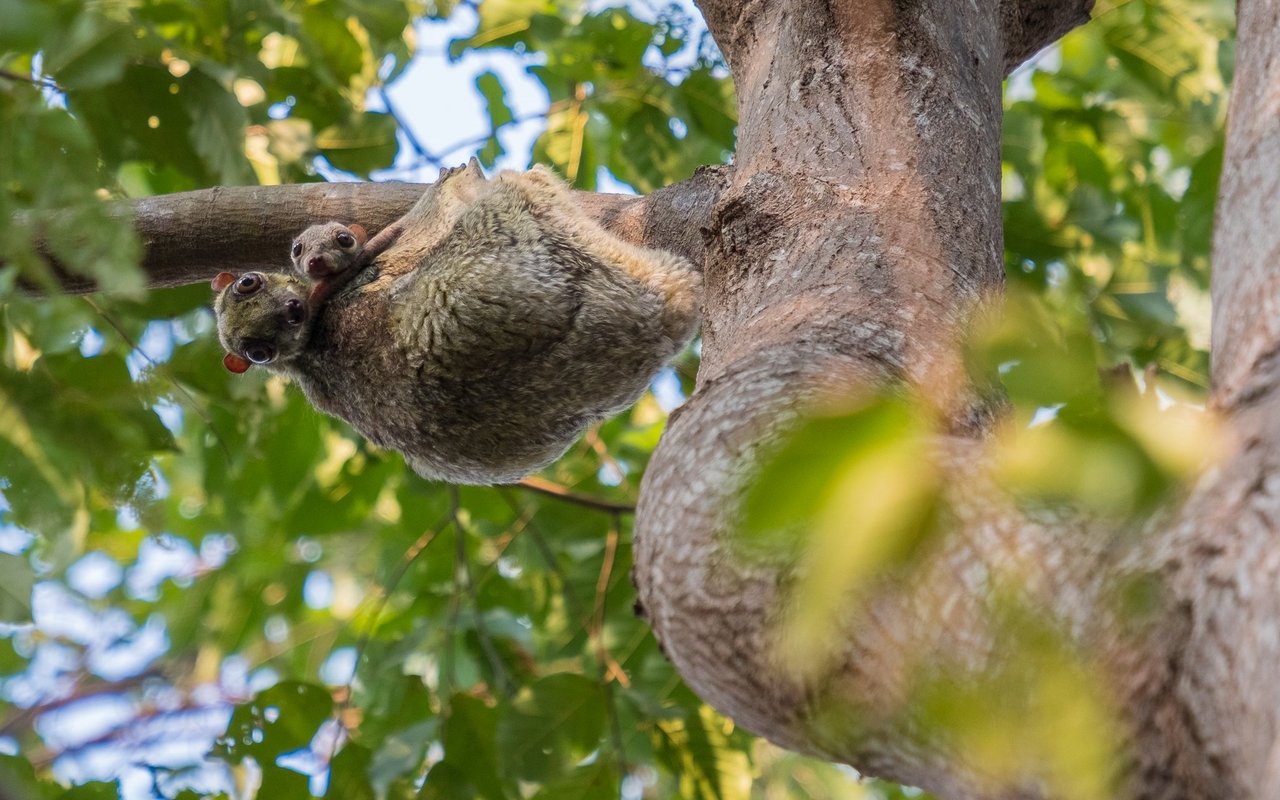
[[297, 249], [247, 284], [346, 241], [258, 352], [294, 312]]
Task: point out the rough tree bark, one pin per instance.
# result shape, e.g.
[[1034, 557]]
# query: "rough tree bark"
[[857, 235], [847, 248]]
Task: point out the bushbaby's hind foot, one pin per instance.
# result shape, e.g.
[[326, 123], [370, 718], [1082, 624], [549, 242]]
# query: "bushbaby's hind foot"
[[460, 186], [456, 190], [431, 219], [672, 277], [547, 194]]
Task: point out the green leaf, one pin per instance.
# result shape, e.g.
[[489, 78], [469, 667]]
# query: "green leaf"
[[552, 724], [349, 774], [94, 790], [16, 580], [490, 88], [504, 23], [598, 780], [142, 118], [330, 42], [89, 53], [278, 720], [27, 23], [59, 198], [710, 103], [1195, 215], [401, 753], [217, 130], [470, 765], [279, 783], [707, 763], [447, 781], [361, 144]]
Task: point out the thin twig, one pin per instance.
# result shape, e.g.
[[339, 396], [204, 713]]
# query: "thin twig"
[[43, 759], [610, 668], [41, 81], [592, 437], [448, 671], [545, 487], [408, 133], [438, 160], [615, 727], [435, 160], [167, 373], [462, 571], [549, 558], [26, 716], [383, 597], [503, 541]]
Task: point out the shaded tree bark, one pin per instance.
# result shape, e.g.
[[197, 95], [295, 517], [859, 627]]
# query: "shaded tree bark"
[[858, 234]]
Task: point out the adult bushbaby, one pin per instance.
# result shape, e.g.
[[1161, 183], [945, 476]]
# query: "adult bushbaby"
[[479, 334]]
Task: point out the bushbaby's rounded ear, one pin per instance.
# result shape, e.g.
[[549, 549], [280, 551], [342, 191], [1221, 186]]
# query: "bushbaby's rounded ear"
[[358, 231], [235, 363], [221, 282]]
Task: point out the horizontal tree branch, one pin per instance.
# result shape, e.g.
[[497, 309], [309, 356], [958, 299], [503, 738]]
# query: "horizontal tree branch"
[[190, 237]]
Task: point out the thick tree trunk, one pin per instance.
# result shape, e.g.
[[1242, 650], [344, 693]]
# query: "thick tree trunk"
[[1222, 561], [859, 231]]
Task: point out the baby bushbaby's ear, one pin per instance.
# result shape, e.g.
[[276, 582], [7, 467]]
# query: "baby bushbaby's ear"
[[358, 231], [221, 282], [235, 363]]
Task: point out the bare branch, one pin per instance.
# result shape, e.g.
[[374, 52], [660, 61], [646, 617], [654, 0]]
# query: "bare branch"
[[545, 487], [190, 237], [1029, 26], [23, 719]]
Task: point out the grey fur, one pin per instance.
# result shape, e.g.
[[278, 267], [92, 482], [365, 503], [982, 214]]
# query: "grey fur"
[[498, 321]]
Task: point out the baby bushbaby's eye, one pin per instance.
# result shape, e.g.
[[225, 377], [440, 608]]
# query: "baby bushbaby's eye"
[[259, 352], [294, 312], [297, 249], [247, 284], [346, 241]]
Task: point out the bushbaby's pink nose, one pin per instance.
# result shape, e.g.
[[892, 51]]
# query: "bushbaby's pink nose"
[[316, 266]]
